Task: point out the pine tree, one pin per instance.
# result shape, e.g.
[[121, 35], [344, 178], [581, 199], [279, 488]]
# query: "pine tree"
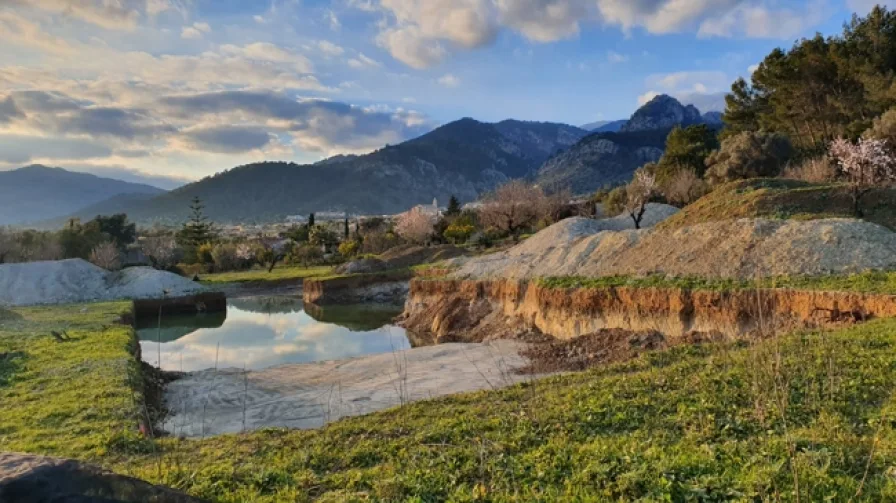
[[453, 207], [196, 231], [311, 220], [346, 228]]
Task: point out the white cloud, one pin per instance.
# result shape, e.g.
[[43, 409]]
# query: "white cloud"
[[752, 68], [544, 20], [330, 49], [646, 97], [16, 30], [704, 89], [263, 51], [422, 33], [421, 30], [259, 19], [449, 80], [409, 46], [615, 57], [333, 19], [363, 61], [760, 21], [195, 31], [109, 14]]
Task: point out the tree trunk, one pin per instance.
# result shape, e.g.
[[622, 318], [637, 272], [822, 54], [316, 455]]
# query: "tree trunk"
[[856, 202]]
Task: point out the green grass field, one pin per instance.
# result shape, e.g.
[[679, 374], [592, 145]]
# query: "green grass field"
[[806, 417], [799, 416], [81, 397], [280, 273], [867, 282]]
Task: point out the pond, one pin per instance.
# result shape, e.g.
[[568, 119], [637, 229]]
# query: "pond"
[[262, 332]]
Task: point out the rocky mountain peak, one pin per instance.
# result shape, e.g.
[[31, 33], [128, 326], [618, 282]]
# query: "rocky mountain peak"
[[662, 112]]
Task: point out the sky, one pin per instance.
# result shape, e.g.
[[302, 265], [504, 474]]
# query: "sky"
[[170, 91]]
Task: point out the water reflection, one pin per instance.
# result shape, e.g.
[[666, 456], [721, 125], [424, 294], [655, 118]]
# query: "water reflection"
[[266, 331]]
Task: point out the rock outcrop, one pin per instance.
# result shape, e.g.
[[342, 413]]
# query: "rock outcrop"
[[26, 478], [662, 112]]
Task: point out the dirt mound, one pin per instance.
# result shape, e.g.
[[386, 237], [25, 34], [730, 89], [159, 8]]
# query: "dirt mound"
[[30, 479], [745, 249], [402, 257], [76, 280]]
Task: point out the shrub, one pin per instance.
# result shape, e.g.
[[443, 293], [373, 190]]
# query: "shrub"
[[815, 170], [378, 242], [162, 251], [306, 255], [884, 128], [107, 256], [459, 232], [684, 188], [349, 248], [225, 257], [748, 155], [204, 253], [614, 202]]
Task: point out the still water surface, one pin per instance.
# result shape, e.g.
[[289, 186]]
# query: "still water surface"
[[261, 332]]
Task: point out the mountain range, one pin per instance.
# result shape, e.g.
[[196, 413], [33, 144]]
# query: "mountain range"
[[463, 158], [36, 192]]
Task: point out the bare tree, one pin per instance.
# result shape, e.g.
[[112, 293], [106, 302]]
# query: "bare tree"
[[414, 225], [551, 206], [512, 207], [866, 165], [684, 188], [638, 193], [107, 256], [161, 250]]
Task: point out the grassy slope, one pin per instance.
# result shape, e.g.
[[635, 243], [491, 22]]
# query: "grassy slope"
[[867, 282], [784, 199], [723, 422], [278, 274], [79, 398], [707, 423]]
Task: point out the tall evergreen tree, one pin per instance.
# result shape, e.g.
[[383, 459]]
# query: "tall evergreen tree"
[[311, 220], [453, 207], [345, 230], [197, 230]]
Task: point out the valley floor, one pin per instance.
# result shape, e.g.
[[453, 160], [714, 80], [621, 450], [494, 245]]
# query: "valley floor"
[[808, 417]]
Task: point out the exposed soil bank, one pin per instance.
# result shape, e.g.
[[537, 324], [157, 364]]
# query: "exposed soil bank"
[[383, 287], [310, 395], [476, 310]]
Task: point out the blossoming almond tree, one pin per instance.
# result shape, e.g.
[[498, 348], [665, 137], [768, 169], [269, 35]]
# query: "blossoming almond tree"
[[638, 194], [866, 165], [414, 225]]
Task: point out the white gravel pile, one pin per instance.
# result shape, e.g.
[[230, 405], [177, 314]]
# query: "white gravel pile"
[[76, 280], [746, 248]]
